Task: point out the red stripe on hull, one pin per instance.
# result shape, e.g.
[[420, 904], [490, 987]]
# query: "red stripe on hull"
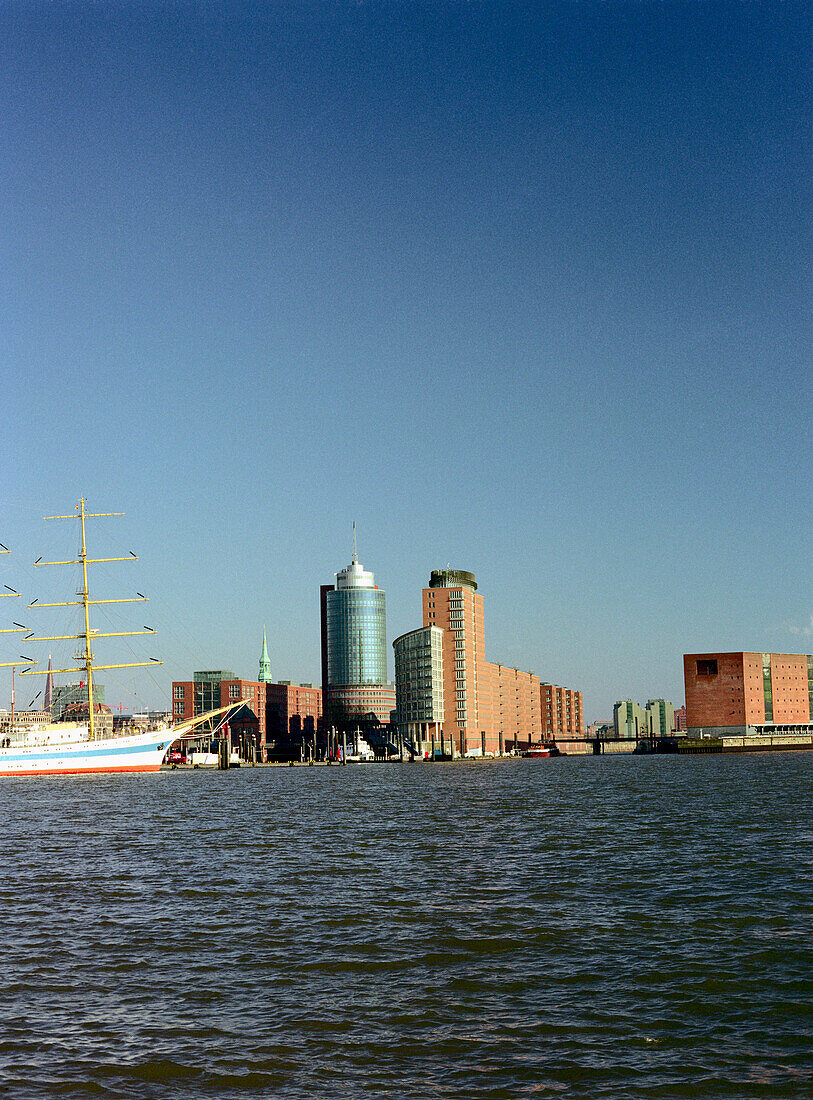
[[84, 771]]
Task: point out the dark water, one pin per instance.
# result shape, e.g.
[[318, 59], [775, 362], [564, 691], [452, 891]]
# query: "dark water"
[[598, 927]]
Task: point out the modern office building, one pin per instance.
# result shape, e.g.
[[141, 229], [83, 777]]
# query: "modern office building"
[[510, 707], [562, 712], [731, 694], [487, 707], [419, 684], [453, 604], [660, 718], [633, 722], [629, 720], [354, 647]]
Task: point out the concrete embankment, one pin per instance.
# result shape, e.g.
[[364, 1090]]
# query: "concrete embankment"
[[766, 742]]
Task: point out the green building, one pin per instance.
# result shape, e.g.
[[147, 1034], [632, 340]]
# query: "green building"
[[629, 720]]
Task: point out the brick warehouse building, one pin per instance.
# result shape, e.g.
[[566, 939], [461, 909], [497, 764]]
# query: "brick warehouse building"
[[747, 693], [214, 688], [293, 713], [282, 711]]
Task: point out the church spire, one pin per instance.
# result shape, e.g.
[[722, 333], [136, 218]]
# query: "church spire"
[[49, 687], [265, 663]]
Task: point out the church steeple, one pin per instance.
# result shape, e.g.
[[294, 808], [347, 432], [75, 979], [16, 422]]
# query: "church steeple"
[[265, 663], [49, 687]]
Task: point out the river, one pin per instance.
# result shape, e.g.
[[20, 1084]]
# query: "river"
[[594, 927]]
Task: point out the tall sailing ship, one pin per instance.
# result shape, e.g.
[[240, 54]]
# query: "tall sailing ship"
[[71, 748]]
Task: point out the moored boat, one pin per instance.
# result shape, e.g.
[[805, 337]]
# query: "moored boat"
[[360, 752], [70, 748], [52, 751], [65, 748]]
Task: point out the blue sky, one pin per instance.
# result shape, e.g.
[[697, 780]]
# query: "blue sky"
[[523, 288]]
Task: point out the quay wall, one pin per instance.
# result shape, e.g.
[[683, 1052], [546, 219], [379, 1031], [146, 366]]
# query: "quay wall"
[[754, 743], [574, 748]]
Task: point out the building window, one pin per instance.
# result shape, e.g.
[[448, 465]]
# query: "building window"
[[179, 691], [234, 691], [707, 668]]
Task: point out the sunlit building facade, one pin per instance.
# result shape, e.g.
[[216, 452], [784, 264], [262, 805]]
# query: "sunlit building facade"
[[731, 694], [488, 708], [214, 688], [419, 683], [562, 712], [660, 718], [293, 716]]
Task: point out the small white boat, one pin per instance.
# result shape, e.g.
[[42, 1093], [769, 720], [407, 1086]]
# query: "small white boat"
[[360, 752]]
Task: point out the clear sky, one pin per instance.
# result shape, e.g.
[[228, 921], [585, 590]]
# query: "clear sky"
[[519, 287]]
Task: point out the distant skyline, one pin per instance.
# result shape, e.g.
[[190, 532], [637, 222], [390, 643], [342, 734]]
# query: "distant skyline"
[[520, 287]]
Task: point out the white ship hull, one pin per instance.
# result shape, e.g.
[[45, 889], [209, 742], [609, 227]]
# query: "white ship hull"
[[38, 755], [41, 747]]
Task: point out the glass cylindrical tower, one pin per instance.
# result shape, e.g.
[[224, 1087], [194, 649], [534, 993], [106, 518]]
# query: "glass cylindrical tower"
[[354, 646], [356, 629]]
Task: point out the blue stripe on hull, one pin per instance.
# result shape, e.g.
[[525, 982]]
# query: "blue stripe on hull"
[[72, 755]]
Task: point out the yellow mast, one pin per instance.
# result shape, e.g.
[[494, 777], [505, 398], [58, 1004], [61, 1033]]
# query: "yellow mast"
[[87, 657], [16, 629], [88, 654]]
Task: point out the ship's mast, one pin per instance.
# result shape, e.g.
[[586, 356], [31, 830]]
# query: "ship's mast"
[[16, 629], [88, 655], [85, 602]]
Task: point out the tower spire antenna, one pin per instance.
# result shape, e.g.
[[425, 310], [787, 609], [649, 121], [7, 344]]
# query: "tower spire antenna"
[[355, 551]]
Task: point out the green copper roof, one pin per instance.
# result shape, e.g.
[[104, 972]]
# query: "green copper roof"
[[265, 663]]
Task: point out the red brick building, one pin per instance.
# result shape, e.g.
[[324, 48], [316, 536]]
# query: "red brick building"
[[283, 711], [292, 710], [562, 712], [510, 706], [742, 692], [216, 688], [486, 705]]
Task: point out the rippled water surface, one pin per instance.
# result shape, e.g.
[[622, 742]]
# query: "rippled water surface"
[[595, 927]]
